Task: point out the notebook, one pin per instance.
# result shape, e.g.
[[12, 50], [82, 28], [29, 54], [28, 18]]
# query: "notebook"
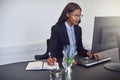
[[86, 61], [41, 65]]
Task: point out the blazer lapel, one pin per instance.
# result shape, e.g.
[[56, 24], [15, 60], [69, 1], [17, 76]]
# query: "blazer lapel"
[[66, 39], [75, 30]]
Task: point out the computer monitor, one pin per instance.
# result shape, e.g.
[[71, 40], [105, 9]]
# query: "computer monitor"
[[107, 36]]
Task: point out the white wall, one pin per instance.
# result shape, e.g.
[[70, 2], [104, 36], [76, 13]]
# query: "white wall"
[[24, 22], [24, 27], [92, 8]]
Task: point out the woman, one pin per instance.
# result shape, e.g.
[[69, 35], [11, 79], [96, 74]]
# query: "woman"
[[67, 32]]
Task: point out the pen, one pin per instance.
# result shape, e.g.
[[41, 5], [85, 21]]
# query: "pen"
[[51, 58], [49, 55], [43, 65]]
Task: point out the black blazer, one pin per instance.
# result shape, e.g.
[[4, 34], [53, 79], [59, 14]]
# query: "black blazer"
[[59, 38]]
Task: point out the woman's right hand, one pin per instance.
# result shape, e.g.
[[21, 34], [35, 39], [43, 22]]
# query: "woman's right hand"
[[51, 61]]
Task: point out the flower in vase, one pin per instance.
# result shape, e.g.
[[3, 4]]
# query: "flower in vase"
[[68, 57]]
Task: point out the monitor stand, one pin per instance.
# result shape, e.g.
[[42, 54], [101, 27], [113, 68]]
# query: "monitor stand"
[[113, 66]]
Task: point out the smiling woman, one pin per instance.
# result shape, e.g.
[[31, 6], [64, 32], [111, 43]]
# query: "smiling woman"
[[67, 32]]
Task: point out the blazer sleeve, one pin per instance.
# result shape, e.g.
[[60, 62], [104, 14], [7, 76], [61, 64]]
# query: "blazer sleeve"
[[53, 41], [81, 50]]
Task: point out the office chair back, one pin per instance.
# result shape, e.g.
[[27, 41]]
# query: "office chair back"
[[45, 55]]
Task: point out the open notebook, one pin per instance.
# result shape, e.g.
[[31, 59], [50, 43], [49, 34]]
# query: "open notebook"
[[41, 65]]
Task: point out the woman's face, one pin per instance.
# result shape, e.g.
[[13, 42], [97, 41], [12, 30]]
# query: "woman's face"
[[74, 17]]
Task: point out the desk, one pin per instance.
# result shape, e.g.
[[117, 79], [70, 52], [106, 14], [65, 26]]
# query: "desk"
[[16, 71]]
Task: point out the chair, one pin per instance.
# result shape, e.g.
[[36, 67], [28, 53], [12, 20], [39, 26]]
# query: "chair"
[[45, 55]]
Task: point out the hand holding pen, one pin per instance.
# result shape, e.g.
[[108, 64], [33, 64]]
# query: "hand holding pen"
[[51, 61]]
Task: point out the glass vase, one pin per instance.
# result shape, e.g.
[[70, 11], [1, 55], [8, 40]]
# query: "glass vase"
[[68, 59], [68, 72], [55, 75]]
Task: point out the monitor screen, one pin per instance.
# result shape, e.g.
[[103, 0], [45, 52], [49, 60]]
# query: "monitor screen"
[[106, 30]]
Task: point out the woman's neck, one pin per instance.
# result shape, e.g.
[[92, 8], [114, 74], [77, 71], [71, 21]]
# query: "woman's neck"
[[69, 23]]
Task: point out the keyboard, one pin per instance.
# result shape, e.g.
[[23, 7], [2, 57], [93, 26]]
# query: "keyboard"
[[86, 61]]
